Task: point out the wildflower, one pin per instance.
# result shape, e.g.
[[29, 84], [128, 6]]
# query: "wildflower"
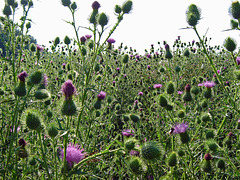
[[111, 41], [83, 39], [238, 60], [140, 93], [180, 128], [157, 86], [180, 92], [209, 84], [68, 89], [22, 142], [39, 48], [73, 154], [101, 95], [22, 76], [134, 153], [88, 36], [128, 132], [96, 5]]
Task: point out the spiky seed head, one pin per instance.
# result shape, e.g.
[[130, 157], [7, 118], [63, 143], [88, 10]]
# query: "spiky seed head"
[[36, 77], [230, 44], [206, 117], [42, 94], [127, 7], [7, 10], [125, 58], [172, 159], [163, 100], [52, 130], [69, 108], [102, 19], [235, 10], [151, 151], [67, 40], [33, 119], [66, 2]]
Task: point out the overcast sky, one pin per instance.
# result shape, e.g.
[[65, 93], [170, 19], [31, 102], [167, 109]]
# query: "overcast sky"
[[149, 22]]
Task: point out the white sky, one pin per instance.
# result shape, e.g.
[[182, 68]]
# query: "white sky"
[[149, 22]]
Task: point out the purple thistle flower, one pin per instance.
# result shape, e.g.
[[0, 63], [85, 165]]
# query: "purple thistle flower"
[[134, 153], [128, 132], [208, 157], [101, 95], [238, 60], [179, 92], [111, 41], [68, 89], [22, 76], [22, 142], [137, 57], [166, 46], [39, 48], [45, 80], [73, 154], [209, 84], [180, 128], [140, 93], [148, 55], [239, 121], [118, 69], [187, 88], [148, 66], [157, 86], [96, 5], [88, 36], [83, 39]]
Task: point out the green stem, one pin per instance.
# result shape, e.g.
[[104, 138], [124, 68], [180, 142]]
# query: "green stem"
[[65, 147]]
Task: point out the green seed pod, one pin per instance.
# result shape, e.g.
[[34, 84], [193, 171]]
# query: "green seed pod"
[[212, 145], [230, 44], [206, 117], [69, 108], [10, 2], [20, 90], [221, 164], [181, 113], [125, 58], [127, 7], [102, 19], [56, 41], [130, 143], [36, 77], [210, 134], [74, 6], [42, 94], [66, 2], [33, 120], [172, 159], [170, 88], [233, 24], [163, 100], [52, 130], [97, 67], [187, 97], [32, 47], [186, 52], [22, 153], [118, 9], [67, 40], [151, 151], [92, 18], [237, 74], [7, 10], [235, 9], [97, 104], [136, 165], [135, 118], [184, 138]]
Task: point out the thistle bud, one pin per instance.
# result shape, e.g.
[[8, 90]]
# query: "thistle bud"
[[130, 143], [56, 41], [7, 10], [22, 142], [22, 153], [118, 9], [28, 25], [221, 164], [32, 161], [134, 117], [32, 47], [206, 117], [172, 159], [136, 165], [42, 94], [237, 74], [67, 40], [125, 58], [212, 145], [163, 100], [168, 54], [207, 94], [92, 18], [20, 90], [24, 2], [177, 69], [97, 104], [74, 6], [233, 24], [127, 7], [52, 130], [33, 120], [195, 90], [170, 88], [68, 108], [66, 2], [181, 113], [210, 134], [36, 77], [151, 151], [10, 2], [96, 5], [230, 44], [235, 9], [97, 67], [186, 52], [102, 19]]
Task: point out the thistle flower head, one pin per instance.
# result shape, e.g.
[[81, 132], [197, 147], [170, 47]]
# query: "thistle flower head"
[[88, 36], [22, 142], [128, 132], [96, 5], [111, 41], [180, 128], [101, 95], [74, 154], [157, 86], [209, 84], [22, 76], [208, 156], [39, 48], [68, 89]]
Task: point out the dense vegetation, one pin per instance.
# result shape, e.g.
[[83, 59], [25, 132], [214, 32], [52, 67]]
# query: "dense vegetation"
[[82, 109]]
